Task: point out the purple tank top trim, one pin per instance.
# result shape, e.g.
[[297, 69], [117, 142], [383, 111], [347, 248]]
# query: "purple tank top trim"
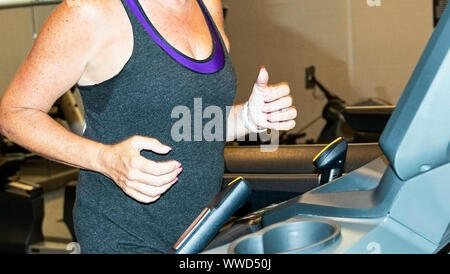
[[211, 65]]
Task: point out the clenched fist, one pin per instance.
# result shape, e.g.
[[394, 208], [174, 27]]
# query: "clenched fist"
[[140, 178]]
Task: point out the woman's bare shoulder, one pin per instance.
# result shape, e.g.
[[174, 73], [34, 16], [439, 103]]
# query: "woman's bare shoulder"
[[86, 11], [79, 24], [66, 43]]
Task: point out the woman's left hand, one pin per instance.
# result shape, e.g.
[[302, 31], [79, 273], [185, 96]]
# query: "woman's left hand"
[[270, 106]]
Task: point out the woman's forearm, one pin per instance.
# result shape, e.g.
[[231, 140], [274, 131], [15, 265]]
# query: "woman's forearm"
[[39, 133], [235, 126]]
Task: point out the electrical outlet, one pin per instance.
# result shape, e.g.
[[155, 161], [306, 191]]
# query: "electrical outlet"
[[310, 75]]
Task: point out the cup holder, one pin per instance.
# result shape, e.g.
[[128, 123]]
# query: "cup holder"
[[291, 237]]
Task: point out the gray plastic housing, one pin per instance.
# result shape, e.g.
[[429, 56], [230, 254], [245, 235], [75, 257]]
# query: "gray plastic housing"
[[417, 136]]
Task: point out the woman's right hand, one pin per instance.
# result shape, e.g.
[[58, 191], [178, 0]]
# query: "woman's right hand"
[[140, 178]]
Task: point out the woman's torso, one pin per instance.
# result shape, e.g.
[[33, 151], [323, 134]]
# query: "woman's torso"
[[186, 32], [147, 98]]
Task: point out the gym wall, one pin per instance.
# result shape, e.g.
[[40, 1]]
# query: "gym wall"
[[358, 51], [17, 30]]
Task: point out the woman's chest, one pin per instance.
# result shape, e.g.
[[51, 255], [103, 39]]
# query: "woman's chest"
[[187, 30]]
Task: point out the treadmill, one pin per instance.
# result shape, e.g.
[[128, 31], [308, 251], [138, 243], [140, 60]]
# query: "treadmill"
[[397, 203]]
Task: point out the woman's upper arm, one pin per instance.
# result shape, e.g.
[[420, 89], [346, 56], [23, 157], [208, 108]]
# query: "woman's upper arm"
[[58, 57]]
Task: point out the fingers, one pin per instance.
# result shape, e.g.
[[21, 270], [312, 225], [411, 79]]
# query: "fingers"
[[282, 115], [138, 196], [282, 126], [276, 92], [150, 192], [155, 168], [153, 180], [282, 120], [147, 188], [282, 103], [140, 143]]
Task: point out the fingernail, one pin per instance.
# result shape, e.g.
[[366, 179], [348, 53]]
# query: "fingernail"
[[179, 170], [174, 181], [268, 99], [269, 118], [178, 165], [266, 109], [168, 148]]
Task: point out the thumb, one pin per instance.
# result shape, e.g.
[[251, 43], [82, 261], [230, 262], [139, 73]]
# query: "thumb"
[[144, 143], [263, 77]]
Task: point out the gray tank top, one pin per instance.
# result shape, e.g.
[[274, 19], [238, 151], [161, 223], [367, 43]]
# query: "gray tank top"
[[139, 101]]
